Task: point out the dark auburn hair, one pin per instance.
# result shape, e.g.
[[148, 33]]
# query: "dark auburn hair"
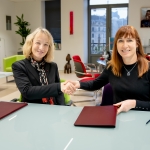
[[116, 61]]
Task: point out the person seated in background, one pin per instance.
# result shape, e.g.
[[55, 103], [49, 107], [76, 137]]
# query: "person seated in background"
[[128, 73], [36, 76], [146, 21]]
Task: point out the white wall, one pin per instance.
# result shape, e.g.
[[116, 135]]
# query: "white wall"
[[135, 19], [73, 44], [76, 43], [70, 44], [7, 37], [33, 13]]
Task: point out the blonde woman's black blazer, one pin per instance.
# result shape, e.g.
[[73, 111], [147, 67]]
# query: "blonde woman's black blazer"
[[28, 83]]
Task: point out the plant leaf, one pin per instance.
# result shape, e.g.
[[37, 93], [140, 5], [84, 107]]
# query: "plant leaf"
[[23, 31]]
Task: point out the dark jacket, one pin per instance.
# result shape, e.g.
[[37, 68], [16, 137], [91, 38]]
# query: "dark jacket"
[[28, 82]]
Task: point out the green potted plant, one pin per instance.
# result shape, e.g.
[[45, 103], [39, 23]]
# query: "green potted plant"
[[23, 30]]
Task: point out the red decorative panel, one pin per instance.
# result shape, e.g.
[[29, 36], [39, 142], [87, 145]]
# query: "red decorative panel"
[[71, 22]]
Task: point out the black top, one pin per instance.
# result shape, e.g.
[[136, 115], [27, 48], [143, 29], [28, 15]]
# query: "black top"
[[29, 85], [124, 87], [145, 23]]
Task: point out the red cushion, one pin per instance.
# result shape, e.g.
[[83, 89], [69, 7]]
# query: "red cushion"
[[96, 75], [101, 58], [79, 62], [76, 57], [148, 57], [86, 79]]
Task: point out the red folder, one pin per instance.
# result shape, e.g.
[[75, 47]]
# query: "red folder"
[[7, 108], [97, 116]]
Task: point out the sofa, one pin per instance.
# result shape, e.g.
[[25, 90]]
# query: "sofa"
[[8, 61]]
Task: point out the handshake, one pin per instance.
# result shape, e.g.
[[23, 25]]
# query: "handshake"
[[69, 87]]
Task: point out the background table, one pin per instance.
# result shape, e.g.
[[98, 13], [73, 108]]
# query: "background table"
[[102, 64], [146, 48], [45, 127], [5, 74]]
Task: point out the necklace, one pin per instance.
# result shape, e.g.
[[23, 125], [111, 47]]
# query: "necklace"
[[128, 71]]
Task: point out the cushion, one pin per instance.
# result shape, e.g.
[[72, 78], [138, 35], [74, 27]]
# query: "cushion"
[[9, 69], [66, 96], [8, 61]]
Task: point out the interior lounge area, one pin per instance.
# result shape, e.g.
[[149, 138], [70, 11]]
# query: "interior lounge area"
[[74, 35], [73, 44]]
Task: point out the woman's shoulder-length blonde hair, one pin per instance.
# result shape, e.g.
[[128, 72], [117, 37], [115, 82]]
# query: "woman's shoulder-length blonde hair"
[[116, 61], [27, 47]]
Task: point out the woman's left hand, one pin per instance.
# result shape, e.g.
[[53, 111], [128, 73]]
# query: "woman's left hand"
[[126, 105]]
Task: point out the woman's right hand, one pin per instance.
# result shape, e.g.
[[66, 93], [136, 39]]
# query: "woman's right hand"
[[75, 83], [68, 88]]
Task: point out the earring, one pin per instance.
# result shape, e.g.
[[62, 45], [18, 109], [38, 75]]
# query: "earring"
[[137, 49]]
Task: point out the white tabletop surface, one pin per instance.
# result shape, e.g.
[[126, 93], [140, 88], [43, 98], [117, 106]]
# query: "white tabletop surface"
[[102, 62], [5, 74], [45, 127]]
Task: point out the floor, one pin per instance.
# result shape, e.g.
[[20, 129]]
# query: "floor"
[[9, 91]]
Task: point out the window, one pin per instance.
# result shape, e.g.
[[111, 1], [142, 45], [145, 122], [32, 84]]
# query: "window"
[[105, 18], [98, 2], [53, 21]]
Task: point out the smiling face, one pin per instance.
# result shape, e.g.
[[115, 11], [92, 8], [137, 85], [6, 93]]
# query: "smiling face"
[[40, 46], [127, 49]]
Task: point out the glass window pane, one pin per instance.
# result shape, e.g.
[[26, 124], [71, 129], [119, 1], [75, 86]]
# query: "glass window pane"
[[118, 19], [98, 30], [101, 2]]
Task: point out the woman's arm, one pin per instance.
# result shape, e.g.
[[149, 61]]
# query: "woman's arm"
[[133, 104], [96, 84], [142, 105], [125, 105]]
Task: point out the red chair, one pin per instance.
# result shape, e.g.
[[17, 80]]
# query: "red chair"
[[147, 57], [81, 73], [90, 67], [77, 57], [80, 70]]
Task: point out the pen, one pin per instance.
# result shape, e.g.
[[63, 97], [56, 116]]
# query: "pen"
[[147, 121]]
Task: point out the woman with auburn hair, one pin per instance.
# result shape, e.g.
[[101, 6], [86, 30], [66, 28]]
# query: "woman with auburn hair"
[[36, 76], [128, 73]]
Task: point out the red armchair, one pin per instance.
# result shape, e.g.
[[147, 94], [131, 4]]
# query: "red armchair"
[[81, 73], [90, 67], [80, 70]]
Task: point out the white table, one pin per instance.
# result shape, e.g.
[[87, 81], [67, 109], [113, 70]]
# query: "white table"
[[102, 63], [45, 127], [145, 48], [6, 74]]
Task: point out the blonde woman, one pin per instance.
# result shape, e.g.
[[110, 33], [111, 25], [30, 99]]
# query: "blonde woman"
[[36, 76]]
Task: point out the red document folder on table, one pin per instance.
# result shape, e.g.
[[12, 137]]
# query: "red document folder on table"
[[7, 108], [97, 116]]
